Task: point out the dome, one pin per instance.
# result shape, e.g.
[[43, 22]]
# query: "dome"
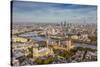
[[69, 33]]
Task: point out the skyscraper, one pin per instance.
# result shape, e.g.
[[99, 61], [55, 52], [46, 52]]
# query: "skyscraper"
[[64, 23]]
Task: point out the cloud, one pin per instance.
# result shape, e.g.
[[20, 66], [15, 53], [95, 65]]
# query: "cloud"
[[44, 12]]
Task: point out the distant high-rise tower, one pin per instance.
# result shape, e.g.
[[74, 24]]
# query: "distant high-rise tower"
[[61, 23], [64, 23]]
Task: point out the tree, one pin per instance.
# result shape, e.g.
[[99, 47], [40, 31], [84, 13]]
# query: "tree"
[[92, 38]]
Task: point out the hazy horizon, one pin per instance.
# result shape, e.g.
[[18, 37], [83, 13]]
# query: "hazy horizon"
[[25, 12]]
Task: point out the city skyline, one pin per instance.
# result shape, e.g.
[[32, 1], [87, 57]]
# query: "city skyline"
[[52, 33], [52, 12]]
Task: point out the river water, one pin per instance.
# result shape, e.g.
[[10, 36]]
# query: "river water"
[[34, 36]]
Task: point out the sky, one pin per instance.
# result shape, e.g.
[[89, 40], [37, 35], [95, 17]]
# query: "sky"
[[23, 11]]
